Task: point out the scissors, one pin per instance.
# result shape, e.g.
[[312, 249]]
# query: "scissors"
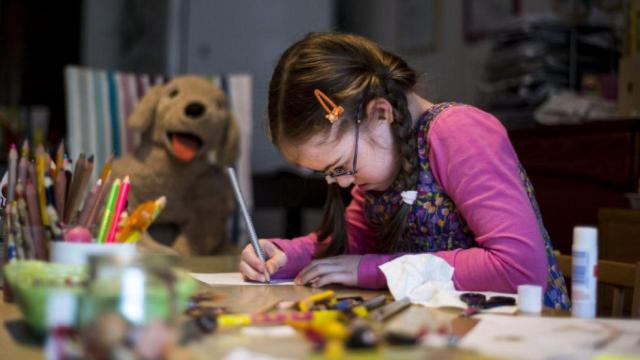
[[477, 302]]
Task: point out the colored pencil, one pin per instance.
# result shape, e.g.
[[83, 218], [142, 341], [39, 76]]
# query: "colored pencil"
[[108, 211], [40, 169], [118, 208], [73, 193], [23, 169], [99, 203], [89, 202], [13, 173], [25, 149], [106, 169]]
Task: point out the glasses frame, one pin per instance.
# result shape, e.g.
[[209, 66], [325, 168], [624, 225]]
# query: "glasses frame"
[[334, 174]]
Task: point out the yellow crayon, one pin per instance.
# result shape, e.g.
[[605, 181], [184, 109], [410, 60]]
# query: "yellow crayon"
[[307, 303], [279, 317]]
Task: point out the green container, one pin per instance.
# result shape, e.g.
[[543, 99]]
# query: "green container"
[[35, 282]]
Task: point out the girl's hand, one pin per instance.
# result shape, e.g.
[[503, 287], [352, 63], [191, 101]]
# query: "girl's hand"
[[253, 269], [341, 269]]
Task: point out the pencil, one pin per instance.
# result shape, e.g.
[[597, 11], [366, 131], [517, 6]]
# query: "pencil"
[[40, 168], [37, 233], [25, 149], [99, 203], [23, 217], [60, 190], [83, 181], [32, 204], [60, 157], [26, 229], [74, 188], [23, 169], [108, 211], [247, 219], [121, 202], [13, 164], [89, 202], [66, 165], [106, 169], [12, 214]]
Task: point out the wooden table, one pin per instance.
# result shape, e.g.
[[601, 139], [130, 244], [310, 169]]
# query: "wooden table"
[[15, 343]]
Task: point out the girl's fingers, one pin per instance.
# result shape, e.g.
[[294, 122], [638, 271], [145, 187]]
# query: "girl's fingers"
[[276, 258], [270, 249], [332, 278], [250, 273], [316, 270], [275, 263], [249, 256], [314, 264]]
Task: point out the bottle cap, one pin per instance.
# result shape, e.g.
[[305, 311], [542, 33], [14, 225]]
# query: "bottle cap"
[[530, 299], [585, 237]]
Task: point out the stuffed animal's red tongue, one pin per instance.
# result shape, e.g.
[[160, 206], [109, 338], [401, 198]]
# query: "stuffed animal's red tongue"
[[184, 147]]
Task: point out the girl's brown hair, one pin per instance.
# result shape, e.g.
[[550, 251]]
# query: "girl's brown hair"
[[351, 70]]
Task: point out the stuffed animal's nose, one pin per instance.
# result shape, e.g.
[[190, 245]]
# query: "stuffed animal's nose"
[[194, 109]]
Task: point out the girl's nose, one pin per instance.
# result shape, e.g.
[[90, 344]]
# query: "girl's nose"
[[344, 181]]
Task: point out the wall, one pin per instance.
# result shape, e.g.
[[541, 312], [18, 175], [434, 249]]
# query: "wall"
[[128, 35], [249, 36], [450, 71]]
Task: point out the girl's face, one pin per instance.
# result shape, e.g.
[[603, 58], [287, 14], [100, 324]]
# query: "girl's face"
[[378, 158]]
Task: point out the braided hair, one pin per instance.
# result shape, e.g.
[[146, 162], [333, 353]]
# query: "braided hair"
[[352, 70]]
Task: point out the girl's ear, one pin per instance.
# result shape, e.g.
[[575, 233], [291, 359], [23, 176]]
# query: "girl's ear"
[[380, 109]]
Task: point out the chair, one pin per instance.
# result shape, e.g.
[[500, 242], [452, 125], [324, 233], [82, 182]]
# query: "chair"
[[99, 103], [619, 234], [620, 276]]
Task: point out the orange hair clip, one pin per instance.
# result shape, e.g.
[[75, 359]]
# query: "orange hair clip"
[[333, 113]]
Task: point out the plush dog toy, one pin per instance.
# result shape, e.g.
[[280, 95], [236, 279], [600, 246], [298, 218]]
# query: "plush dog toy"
[[188, 137]]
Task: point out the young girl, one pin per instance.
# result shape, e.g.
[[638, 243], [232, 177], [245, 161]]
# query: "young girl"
[[437, 178]]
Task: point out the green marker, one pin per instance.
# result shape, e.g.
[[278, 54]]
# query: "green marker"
[[108, 211]]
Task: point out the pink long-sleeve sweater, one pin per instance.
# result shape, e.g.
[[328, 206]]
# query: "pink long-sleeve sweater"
[[474, 162]]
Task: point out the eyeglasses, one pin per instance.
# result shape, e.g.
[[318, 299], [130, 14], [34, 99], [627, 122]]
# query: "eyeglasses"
[[477, 302], [340, 170]]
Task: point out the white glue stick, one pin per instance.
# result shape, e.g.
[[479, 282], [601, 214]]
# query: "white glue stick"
[[584, 277]]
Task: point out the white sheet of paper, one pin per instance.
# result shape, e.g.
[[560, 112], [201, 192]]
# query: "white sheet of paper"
[[234, 278], [523, 337]]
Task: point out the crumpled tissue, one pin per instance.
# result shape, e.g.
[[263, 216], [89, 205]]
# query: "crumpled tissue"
[[427, 280]]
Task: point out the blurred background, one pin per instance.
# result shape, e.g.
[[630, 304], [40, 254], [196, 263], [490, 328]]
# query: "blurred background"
[[550, 70]]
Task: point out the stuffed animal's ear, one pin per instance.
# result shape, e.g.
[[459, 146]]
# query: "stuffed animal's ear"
[[143, 114], [229, 148]]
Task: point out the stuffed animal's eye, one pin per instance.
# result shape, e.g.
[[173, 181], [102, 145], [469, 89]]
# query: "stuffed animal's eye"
[[173, 93]]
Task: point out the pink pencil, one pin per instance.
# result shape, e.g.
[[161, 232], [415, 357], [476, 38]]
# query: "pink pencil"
[[120, 204]]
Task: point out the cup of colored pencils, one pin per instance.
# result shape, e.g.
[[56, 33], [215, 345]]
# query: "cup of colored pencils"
[[50, 200]]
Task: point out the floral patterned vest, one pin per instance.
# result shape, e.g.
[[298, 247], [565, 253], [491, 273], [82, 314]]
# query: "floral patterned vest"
[[435, 223]]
